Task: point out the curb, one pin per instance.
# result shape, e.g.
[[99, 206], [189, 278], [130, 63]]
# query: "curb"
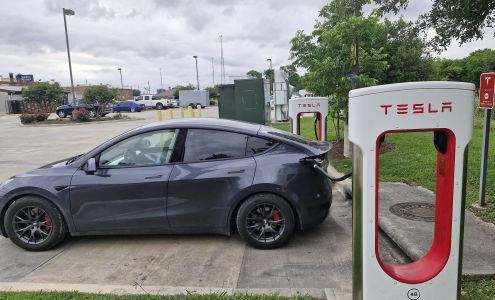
[[343, 187], [328, 293]]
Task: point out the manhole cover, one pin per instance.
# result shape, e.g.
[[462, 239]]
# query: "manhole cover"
[[417, 211]]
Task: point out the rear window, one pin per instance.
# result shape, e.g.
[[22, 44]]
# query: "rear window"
[[290, 136], [256, 145]]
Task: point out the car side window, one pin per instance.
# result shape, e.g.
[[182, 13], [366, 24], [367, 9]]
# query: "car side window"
[[146, 149], [256, 145], [205, 144]]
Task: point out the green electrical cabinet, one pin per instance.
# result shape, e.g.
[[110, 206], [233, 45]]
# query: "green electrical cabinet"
[[226, 102], [245, 100]]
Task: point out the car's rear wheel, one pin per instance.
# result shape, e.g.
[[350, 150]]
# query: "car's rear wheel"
[[159, 106], [34, 224], [61, 114], [265, 221], [92, 113]]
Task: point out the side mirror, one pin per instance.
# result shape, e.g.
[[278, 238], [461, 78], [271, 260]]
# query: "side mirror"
[[90, 166]]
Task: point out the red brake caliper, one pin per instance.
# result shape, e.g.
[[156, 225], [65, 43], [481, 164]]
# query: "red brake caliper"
[[48, 223], [276, 215]]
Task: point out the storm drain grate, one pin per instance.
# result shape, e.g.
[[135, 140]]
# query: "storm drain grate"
[[416, 211]]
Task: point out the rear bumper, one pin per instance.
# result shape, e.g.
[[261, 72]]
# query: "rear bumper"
[[316, 214]]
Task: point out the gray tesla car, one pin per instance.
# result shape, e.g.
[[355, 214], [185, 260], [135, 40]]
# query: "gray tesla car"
[[174, 177]]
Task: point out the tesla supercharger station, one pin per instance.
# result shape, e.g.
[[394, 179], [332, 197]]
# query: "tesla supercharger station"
[[301, 105], [445, 108]]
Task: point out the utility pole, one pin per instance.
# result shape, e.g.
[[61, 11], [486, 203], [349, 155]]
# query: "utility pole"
[[69, 12], [197, 74], [161, 79], [149, 88], [222, 62], [213, 71], [271, 75]]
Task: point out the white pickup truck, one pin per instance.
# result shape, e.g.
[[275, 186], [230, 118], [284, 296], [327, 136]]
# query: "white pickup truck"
[[151, 101]]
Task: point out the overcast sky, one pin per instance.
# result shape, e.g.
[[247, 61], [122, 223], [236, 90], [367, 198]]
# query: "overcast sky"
[[143, 36]]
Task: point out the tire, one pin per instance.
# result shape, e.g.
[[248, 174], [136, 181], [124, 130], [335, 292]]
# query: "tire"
[[61, 114], [20, 209], [92, 113], [278, 216], [159, 106], [133, 109]]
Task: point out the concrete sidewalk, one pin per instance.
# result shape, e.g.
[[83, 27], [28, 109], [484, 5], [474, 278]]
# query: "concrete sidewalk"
[[415, 237]]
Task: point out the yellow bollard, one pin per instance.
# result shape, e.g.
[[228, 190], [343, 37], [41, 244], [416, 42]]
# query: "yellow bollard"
[[190, 111], [159, 115], [181, 112], [170, 114], [200, 112]]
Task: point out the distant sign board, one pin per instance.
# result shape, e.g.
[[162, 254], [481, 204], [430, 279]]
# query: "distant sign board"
[[487, 89], [24, 78]]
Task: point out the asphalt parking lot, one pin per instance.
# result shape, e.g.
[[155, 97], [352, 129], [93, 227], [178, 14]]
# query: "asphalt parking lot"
[[316, 259]]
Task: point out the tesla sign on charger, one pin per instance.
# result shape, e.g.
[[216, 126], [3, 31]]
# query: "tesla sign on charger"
[[302, 105], [444, 108]]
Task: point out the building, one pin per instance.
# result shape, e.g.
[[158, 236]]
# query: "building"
[[10, 97], [122, 94], [168, 93]]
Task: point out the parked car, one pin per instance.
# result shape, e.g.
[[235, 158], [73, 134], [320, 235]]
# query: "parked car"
[[178, 176], [66, 110], [131, 106], [155, 102]]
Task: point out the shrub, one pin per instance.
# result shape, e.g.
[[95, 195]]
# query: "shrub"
[[81, 115], [120, 116], [213, 102], [27, 118], [40, 117]]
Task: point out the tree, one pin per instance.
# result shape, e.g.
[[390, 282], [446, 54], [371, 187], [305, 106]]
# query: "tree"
[[326, 54], [269, 74], [407, 56], [42, 94], [387, 52], [214, 93], [254, 74], [467, 69], [136, 93], [294, 78], [459, 20], [182, 88], [101, 94]]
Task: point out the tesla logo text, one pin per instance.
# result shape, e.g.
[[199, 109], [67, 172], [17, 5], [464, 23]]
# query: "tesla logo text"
[[416, 108], [309, 104]]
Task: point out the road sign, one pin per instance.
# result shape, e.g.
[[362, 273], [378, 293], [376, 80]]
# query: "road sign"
[[487, 87]]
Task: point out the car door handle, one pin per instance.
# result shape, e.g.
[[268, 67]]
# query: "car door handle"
[[236, 172], [153, 177]]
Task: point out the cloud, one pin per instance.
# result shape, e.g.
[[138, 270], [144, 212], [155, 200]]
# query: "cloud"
[[143, 36]]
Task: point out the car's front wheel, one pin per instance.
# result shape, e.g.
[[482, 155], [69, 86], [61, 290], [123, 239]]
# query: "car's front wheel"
[[265, 221], [133, 109], [159, 106], [61, 114], [34, 224]]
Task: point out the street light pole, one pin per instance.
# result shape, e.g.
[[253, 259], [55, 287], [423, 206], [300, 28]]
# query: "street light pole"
[[121, 83], [197, 74], [69, 12]]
